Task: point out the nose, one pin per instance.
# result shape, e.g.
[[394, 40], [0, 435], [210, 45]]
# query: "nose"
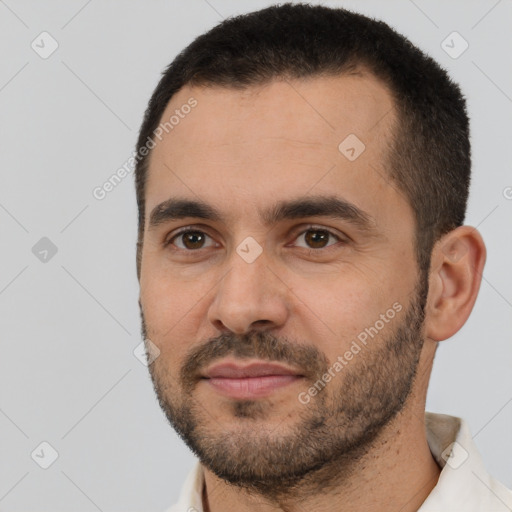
[[249, 296]]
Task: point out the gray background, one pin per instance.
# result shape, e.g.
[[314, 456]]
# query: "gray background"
[[69, 325]]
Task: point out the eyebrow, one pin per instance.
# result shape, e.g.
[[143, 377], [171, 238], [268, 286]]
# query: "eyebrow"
[[177, 208]]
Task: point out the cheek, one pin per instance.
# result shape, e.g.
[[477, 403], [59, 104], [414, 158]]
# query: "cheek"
[[342, 309], [174, 311], [165, 296]]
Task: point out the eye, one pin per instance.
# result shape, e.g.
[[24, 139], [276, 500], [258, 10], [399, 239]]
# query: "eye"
[[190, 240], [317, 238]]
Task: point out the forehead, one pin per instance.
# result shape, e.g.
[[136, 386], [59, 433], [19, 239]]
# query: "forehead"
[[328, 106], [281, 136]]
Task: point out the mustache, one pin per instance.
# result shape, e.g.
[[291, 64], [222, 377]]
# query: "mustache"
[[261, 345]]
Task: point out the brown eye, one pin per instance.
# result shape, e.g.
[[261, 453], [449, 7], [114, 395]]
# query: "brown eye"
[[193, 239], [315, 238], [189, 240]]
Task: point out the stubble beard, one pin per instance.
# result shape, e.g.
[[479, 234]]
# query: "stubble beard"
[[334, 431]]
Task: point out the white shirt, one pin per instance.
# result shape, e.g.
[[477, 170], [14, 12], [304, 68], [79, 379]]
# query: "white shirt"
[[463, 486]]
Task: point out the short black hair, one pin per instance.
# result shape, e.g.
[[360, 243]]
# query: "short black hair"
[[429, 156]]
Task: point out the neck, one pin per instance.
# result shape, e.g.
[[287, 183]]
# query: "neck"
[[396, 473]]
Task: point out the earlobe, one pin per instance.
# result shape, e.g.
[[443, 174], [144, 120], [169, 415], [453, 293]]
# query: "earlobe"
[[458, 259]]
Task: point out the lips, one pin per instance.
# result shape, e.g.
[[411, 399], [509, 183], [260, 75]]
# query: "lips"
[[250, 381], [237, 371]]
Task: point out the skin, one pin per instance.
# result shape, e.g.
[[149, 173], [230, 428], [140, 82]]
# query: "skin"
[[230, 151]]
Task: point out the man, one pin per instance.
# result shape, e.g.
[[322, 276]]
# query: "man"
[[302, 182]]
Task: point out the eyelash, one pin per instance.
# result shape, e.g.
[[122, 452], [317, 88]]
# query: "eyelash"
[[311, 251]]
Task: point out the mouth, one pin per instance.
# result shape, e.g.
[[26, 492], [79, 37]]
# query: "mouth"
[[249, 381]]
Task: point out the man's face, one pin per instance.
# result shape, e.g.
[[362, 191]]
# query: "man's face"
[[303, 290]]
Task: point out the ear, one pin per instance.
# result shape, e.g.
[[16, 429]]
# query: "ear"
[[457, 263]]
